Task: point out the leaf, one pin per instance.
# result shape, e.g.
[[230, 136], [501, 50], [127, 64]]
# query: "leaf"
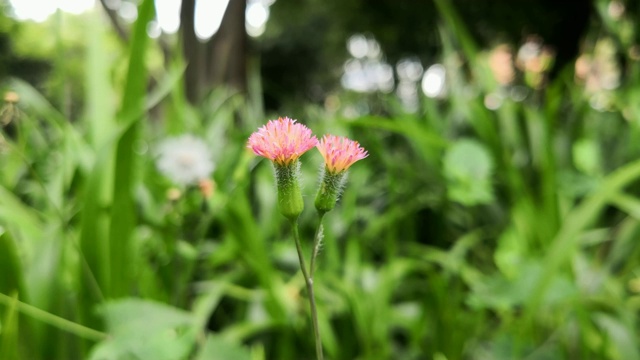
[[427, 141], [468, 168], [586, 156], [457, 26], [499, 292], [13, 212], [99, 115], [567, 239], [9, 336], [510, 253], [51, 319], [142, 329], [622, 337], [123, 217], [12, 280], [217, 348]]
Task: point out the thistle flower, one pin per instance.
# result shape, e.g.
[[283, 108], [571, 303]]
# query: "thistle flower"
[[283, 141], [185, 160], [339, 154]]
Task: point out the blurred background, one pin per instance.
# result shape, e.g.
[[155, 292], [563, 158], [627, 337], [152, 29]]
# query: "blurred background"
[[496, 217]]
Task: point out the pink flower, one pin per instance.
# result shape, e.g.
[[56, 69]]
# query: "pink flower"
[[340, 153], [282, 141]]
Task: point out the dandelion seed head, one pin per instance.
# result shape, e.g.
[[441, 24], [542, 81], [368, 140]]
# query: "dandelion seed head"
[[185, 160]]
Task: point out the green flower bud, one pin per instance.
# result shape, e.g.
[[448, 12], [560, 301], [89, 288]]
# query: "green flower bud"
[[330, 189], [289, 195]]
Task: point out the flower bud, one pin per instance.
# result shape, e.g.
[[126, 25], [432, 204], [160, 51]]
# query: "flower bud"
[[290, 201], [339, 154], [329, 190]]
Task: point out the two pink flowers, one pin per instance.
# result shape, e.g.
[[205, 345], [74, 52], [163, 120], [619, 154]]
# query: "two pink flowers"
[[283, 141]]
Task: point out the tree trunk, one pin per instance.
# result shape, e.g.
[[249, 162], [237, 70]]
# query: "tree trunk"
[[221, 61]]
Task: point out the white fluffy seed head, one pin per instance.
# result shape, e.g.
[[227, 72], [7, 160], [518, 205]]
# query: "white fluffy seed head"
[[185, 160]]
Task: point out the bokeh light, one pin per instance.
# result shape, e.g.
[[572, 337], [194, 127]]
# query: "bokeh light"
[[153, 29], [40, 10], [256, 15], [168, 13], [409, 70], [358, 46], [208, 17], [128, 11], [366, 71], [433, 82]]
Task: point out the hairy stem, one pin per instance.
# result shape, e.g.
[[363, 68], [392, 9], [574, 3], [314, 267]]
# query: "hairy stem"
[[309, 282], [317, 243]]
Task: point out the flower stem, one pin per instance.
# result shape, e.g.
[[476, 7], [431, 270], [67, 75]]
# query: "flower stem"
[[309, 282], [187, 267], [317, 242]]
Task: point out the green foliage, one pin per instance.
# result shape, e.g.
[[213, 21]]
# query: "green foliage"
[[145, 330], [216, 348], [467, 232], [468, 170]]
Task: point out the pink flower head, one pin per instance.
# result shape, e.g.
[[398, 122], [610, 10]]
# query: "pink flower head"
[[282, 141], [340, 153]]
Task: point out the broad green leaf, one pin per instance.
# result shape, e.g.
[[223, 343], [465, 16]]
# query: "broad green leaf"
[[468, 168], [217, 348], [142, 329]]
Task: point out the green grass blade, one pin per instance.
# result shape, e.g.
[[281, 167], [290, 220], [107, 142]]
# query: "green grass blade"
[[11, 282], [9, 337], [123, 217], [53, 320], [12, 277], [99, 114], [567, 240], [457, 26]]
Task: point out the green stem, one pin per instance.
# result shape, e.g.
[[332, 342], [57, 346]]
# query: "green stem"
[[54, 320], [309, 282], [317, 242], [186, 272]]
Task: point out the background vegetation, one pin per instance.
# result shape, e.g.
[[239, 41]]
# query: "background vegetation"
[[496, 219]]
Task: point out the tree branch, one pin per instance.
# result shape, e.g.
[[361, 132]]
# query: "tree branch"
[[113, 17]]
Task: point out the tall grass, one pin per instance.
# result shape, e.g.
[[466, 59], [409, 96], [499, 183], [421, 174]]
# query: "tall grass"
[[97, 262]]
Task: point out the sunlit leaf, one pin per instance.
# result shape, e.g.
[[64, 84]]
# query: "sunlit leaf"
[[468, 168]]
